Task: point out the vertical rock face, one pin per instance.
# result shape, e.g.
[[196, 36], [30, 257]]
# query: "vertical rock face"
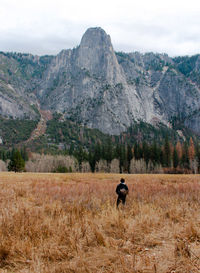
[[89, 85], [94, 51], [96, 55], [100, 88]]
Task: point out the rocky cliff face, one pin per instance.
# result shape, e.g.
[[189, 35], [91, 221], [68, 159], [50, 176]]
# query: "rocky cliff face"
[[100, 88]]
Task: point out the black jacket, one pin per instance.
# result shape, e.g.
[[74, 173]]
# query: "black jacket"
[[121, 186]]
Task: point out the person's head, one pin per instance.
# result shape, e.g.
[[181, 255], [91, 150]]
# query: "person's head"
[[122, 180]]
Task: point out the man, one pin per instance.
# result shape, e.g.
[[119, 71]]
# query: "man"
[[122, 191]]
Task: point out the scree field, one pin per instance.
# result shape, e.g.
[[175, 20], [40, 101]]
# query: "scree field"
[[69, 223]]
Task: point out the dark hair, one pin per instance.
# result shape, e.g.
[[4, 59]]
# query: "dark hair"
[[122, 180]]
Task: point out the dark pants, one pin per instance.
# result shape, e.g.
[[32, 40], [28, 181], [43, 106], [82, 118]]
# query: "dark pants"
[[121, 198]]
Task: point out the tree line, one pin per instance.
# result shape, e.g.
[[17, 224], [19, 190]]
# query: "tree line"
[[138, 157], [175, 158]]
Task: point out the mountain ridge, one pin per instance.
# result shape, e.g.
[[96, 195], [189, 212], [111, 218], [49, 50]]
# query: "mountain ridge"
[[100, 88]]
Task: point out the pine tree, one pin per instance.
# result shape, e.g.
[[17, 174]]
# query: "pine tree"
[[129, 157], [94, 156], [16, 163], [162, 160], [3, 155], [24, 154], [146, 152], [108, 151], [175, 158], [92, 160], [97, 152], [71, 149], [81, 156], [138, 152], [167, 153], [155, 153], [124, 158], [120, 155]]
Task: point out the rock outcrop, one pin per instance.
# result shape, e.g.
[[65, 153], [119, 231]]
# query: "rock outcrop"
[[100, 88]]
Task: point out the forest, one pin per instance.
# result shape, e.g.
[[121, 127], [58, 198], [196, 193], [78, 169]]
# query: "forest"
[[143, 157]]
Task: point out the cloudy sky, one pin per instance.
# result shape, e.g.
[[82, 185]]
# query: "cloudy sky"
[[48, 26]]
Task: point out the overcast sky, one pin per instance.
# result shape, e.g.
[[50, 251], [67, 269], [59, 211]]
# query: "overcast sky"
[[48, 26]]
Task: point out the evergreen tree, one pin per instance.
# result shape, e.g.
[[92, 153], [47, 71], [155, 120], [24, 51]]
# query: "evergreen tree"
[[138, 152], [24, 154], [94, 155], [167, 153], [175, 158], [124, 158], [16, 163], [108, 151], [155, 153], [71, 149], [129, 157], [162, 160], [146, 152], [120, 155], [92, 160], [81, 156], [97, 152], [3, 155]]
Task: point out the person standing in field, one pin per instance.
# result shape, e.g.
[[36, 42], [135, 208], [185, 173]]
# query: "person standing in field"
[[122, 191]]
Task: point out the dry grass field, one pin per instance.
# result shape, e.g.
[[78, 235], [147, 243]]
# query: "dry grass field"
[[54, 223]]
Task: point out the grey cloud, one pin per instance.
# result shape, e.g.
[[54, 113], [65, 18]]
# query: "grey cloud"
[[47, 43], [172, 38]]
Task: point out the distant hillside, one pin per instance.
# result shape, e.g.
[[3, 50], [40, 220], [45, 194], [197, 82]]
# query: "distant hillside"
[[92, 86]]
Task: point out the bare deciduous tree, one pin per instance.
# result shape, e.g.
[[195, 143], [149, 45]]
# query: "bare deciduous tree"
[[49, 163], [3, 167], [114, 166]]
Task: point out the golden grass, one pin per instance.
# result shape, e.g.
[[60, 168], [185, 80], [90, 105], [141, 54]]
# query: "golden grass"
[[69, 223]]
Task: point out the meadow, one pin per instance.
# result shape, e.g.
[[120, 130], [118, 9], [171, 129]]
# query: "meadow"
[[68, 223]]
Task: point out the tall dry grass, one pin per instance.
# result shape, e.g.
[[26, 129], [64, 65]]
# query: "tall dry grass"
[[69, 223]]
